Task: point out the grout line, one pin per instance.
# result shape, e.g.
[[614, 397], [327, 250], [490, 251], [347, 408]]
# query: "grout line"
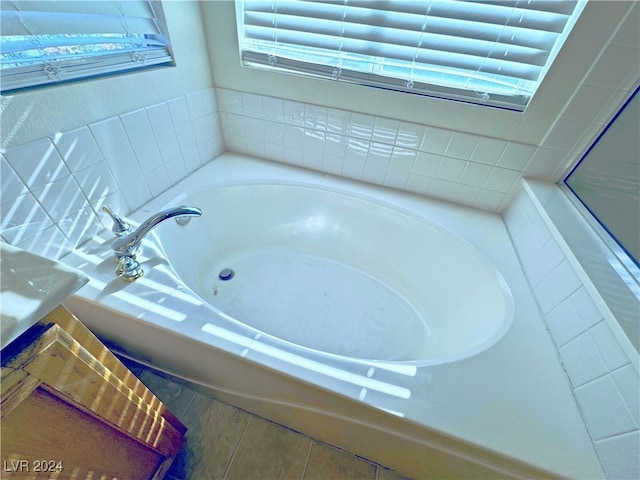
[[615, 435], [237, 447], [188, 405], [306, 460]]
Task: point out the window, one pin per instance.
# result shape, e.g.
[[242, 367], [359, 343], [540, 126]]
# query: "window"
[[606, 181], [494, 53], [50, 41]]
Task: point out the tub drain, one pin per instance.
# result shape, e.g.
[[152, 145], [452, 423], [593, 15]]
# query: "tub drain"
[[226, 274]]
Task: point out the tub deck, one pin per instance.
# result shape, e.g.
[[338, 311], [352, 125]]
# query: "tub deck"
[[507, 411]]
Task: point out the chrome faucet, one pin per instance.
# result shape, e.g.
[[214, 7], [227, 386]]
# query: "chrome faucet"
[[127, 245]]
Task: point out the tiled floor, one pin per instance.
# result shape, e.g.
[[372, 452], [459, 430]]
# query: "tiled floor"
[[227, 443]]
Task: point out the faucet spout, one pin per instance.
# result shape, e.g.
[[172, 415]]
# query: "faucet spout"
[[126, 246], [129, 244]]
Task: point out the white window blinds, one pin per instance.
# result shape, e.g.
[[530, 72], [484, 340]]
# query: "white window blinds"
[[487, 52], [51, 41]]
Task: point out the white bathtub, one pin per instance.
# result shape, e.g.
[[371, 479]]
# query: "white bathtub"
[[339, 274], [394, 326]]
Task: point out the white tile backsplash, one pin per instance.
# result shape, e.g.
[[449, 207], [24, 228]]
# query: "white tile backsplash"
[[605, 383], [78, 148], [12, 186], [628, 382], [488, 151], [160, 119], [49, 243], [179, 112], [53, 188], [516, 155], [614, 453], [410, 135], [543, 262], [79, 227], [436, 140], [461, 145], [604, 409], [582, 360], [136, 125], [613, 356], [37, 163], [564, 322], [459, 166], [475, 174], [385, 130], [61, 198], [110, 136], [22, 218]]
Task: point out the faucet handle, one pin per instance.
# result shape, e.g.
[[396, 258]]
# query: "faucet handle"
[[120, 227]]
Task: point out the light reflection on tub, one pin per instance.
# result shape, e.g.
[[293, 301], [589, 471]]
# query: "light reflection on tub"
[[340, 275]]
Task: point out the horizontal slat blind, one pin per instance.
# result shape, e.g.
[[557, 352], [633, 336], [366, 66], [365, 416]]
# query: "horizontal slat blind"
[[492, 52], [49, 41]]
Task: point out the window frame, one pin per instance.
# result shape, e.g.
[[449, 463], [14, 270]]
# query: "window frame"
[[153, 50], [517, 103]]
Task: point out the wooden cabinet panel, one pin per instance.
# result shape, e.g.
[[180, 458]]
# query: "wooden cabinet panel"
[[44, 427], [65, 395]]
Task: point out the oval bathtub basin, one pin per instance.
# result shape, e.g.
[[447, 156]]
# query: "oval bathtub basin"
[[340, 274]]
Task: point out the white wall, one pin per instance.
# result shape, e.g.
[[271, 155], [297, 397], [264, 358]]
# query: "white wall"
[[37, 113]]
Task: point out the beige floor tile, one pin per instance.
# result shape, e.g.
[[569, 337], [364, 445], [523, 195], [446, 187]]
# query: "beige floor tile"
[[175, 395], [329, 463], [214, 430], [269, 451], [386, 474], [226, 443]]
